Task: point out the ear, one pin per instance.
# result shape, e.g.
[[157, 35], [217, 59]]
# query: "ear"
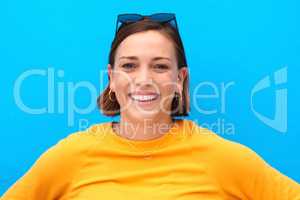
[[182, 74], [110, 77]]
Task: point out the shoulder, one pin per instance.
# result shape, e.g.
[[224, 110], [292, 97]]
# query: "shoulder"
[[81, 141], [70, 151], [52, 172], [233, 164], [224, 152]]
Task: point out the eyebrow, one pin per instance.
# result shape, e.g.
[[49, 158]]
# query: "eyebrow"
[[136, 58]]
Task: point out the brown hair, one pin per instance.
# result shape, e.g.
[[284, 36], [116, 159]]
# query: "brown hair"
[[107, 101]]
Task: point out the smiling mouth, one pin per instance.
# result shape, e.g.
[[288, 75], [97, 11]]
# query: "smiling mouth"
[[143, 98]]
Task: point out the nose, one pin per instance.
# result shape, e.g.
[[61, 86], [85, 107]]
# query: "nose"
[[143, 77]]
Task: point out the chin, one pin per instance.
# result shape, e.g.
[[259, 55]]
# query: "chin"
[[142, 115]]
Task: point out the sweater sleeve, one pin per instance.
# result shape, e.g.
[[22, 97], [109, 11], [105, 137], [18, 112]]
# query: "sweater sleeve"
[[49, 177], [266, 182], [248, 176]]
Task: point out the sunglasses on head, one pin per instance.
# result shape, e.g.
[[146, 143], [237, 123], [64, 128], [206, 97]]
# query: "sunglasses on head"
[[157, 17]]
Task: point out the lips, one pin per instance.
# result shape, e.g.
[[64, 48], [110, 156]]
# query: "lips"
[[143, 97]]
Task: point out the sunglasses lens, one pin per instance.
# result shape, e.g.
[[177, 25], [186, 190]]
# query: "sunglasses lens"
[[162, 17], [173, 23], [127, 18]]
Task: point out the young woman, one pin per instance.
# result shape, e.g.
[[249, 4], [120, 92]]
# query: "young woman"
[[149, 153]]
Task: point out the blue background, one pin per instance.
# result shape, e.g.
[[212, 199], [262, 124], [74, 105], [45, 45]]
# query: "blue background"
[[225, 41]]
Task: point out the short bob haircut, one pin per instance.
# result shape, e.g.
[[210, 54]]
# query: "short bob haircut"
[[107, 102]]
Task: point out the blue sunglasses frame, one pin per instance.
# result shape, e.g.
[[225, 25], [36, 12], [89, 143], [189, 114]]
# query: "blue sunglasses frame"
[[157, 17]]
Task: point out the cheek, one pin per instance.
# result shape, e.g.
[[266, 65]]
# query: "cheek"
[[168, 84], [121, 88], [167, 90]]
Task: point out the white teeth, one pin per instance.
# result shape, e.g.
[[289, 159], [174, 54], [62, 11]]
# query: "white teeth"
[[143, 97]]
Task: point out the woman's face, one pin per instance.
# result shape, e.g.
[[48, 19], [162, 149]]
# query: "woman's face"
[[145, 75]]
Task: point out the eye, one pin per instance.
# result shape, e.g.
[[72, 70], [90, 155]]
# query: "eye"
[[161, 67], [128, 66]]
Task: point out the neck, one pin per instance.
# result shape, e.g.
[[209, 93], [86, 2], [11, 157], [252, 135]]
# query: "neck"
[[145, 129]]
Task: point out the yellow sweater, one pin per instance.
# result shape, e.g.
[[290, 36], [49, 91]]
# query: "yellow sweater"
[[187, 163]]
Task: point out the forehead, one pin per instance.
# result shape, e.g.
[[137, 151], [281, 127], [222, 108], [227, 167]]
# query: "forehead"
[[147, 44]]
